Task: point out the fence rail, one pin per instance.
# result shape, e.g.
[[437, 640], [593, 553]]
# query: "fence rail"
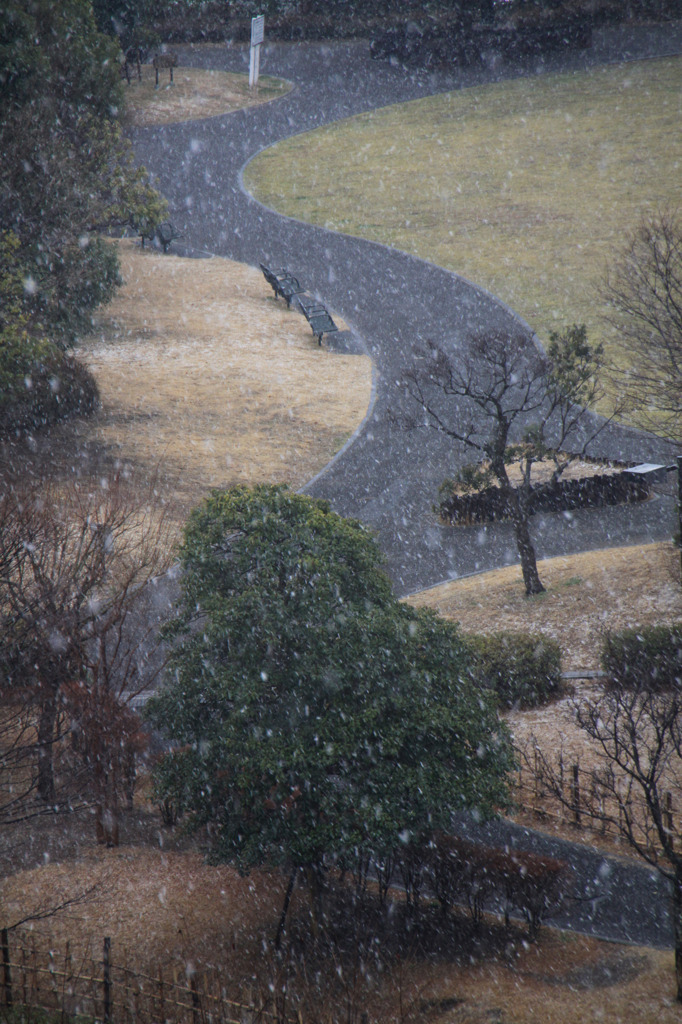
[[75, 986]]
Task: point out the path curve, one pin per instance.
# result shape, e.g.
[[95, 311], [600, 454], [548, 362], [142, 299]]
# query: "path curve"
[[389, 478]]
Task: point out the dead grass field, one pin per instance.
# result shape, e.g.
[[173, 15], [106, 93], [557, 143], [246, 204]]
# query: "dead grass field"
[[206, 381], [521, 186], [585, 595], [189, 912], [193, 94]]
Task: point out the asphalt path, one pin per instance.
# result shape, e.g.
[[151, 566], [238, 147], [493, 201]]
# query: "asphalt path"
[[388, 476]]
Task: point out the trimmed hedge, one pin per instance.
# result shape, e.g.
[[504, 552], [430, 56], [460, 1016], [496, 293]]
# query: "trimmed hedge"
[[490, 504], [523, 668], [648, 657]]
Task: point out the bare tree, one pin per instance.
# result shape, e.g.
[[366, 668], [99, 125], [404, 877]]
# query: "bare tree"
[[643, 292], [77, 642], [509, 402], [636, 734]]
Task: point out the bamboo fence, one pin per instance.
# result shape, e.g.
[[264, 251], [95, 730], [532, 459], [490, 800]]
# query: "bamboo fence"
[[81, 987]]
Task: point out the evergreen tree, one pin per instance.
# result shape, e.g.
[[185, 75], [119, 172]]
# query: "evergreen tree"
[[318, 718]]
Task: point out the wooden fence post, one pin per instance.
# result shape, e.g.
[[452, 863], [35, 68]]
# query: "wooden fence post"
[[106, 978], [575, 792], [162, 1004], [6, 969], [196, 1004]]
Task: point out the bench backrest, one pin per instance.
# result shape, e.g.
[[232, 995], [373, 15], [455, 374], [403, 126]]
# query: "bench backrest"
[[165, 60]]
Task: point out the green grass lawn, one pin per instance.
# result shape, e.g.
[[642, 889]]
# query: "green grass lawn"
[[522, 186]]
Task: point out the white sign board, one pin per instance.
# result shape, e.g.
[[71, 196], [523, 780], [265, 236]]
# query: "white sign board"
[[257, 34], [257, 30]]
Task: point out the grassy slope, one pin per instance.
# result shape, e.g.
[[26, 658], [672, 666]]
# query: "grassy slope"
[[207, 381], [586, 594], [521, 186]]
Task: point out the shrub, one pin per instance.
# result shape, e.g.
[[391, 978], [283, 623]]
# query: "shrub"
[[458, 871], [649, 657], [523, 668], [39, 384]]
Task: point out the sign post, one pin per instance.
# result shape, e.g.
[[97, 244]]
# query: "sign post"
[[257, 35]]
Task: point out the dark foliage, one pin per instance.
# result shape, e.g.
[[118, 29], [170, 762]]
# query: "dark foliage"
[[490, 505], [649, 657], [524, 669], [40, 384], [67, 173], [322, 720]]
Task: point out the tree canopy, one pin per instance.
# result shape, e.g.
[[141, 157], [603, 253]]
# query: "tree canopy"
[[67, 173], [319, 718]]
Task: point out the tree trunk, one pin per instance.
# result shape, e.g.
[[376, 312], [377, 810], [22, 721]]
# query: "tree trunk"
[[46, 727], [315, 877], [524, 544], [677, 926], [106, 805], [285, 908]]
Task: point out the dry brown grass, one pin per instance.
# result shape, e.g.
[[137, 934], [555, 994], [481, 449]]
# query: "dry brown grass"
[[193, 94], [191, 912], [586, 594], [171, 908], [207, 381]]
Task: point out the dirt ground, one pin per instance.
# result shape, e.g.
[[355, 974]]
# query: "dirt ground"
[[191, 913], [193, 94]]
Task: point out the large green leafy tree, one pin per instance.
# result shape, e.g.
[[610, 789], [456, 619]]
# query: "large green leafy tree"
[[318, 720], [66, 173]]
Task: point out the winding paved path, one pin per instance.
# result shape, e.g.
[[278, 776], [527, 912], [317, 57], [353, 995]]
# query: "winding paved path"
[[388, 477]]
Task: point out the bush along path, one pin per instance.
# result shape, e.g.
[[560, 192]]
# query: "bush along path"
[[389, 476]]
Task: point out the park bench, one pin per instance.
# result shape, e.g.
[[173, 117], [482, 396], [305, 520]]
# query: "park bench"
[[165, 60], [282, 283], [167, 233], [317, 316]]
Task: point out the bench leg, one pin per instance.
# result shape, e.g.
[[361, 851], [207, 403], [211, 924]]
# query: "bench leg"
[[157, 78]]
